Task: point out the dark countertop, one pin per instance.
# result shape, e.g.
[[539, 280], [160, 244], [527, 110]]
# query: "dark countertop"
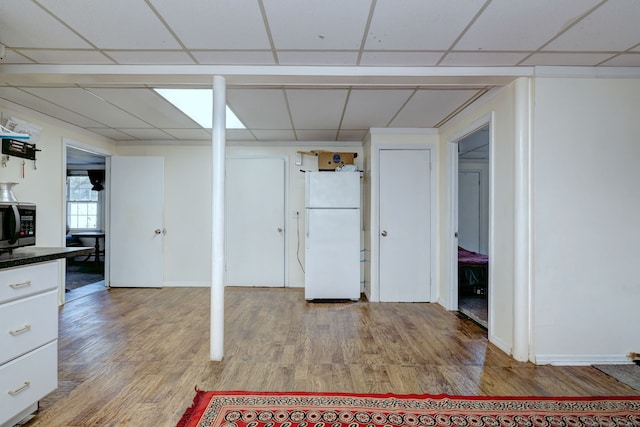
[[34, 254]]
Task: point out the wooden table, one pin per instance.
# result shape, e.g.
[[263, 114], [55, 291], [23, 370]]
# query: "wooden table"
[[97, 235]]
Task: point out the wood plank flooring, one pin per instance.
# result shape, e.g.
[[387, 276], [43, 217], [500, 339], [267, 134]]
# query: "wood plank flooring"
[[132, 357]]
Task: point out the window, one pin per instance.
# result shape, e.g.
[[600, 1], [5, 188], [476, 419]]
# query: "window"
[[82, 204]]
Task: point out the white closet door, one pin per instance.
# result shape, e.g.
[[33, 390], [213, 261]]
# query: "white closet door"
[[405, 225]]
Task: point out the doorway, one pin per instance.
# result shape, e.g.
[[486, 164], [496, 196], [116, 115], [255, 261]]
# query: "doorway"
[[85, 221], [473, 225]]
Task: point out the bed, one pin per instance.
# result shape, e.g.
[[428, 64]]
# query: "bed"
[[473, 269]]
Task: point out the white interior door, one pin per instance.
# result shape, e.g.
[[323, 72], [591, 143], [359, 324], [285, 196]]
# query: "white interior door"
[[137, 221], [469, 210], [254, 222], [405, 225]]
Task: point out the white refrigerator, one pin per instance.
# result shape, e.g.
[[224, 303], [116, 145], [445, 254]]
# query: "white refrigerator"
[[332, 235]]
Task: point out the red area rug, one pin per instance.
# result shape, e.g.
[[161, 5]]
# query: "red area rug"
[[254, 409]]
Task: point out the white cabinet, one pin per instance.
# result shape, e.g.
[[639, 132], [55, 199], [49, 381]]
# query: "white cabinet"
[[28, 338]]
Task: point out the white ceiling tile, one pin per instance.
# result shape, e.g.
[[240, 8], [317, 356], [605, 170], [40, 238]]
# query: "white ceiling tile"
[[28, 31], [373, 108], [147, 105], [89, 105], [189, 134], [625, 60], [16, 57], [352, 135], [234, 57], [317, 58], [521, 24], [317, 135], [418, 24], [114, 134], [146, 133], [614, 26], [401, 59], [127, 57], [67, 56], [317, 25], [428, 107], [220, 24], [316, 109], [482, 59], [43, 106], [260, 108], [274, 134], [569, 59], [114, 24], [239, 135]]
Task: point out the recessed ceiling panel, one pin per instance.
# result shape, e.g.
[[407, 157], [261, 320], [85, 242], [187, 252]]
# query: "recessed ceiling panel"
[[428, 107], [114, 134], [27, 31], [419, 24], [352, 135], [628, 60], [317, 25], [260, 108], [239, 135], [221, 24], [521, 24], [313, 109], [114, 24], [613, 26], [87, 104], [147, 105], [373, 108]]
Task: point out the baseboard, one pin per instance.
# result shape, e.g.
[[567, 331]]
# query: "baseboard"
[[580, 359]]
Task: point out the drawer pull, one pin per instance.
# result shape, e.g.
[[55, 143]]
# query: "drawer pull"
[[25, 328], [20, 390], [20, 285]]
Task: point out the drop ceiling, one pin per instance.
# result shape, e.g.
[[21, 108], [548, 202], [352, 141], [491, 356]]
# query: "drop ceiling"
[[296, 70]]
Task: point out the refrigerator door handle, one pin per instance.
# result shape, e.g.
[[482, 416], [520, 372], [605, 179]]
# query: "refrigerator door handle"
[[306, 228]]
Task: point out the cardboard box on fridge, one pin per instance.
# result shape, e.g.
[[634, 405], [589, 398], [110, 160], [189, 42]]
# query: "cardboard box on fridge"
[[328, 161]]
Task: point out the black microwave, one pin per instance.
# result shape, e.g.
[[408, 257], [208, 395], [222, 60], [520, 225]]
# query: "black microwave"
[[17, 225]]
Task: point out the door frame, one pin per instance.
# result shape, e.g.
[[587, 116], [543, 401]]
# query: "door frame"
[[70, 143], [287, 220], [451, 239], [374, 243]]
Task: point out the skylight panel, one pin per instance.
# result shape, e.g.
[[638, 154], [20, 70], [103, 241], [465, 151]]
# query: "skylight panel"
[[198, 105]]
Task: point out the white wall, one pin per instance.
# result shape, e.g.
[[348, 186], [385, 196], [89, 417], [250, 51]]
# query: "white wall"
[[187, 195], [188, 190], [45, 185], [501, 240], [586, 159]]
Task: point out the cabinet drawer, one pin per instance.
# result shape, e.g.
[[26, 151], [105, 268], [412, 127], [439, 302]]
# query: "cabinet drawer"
[[23, 281], [27, 323], [27, 379]]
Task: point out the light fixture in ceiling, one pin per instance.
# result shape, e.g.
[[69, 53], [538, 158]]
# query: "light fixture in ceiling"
[[198, 105]]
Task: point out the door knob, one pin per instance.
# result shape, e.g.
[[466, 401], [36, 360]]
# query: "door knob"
[[279, 230], [384, 233], [158, 231]]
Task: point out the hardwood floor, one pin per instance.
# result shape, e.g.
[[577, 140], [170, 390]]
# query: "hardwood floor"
[[132, 357]]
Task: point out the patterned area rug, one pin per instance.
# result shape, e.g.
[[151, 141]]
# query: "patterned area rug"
[[248, 409]]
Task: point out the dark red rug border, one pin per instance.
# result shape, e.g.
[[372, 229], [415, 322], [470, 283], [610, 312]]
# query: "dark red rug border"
[[202, 398]]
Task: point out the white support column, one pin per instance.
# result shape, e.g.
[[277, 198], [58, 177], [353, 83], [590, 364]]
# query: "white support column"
[[217, 212], [522, 223]]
